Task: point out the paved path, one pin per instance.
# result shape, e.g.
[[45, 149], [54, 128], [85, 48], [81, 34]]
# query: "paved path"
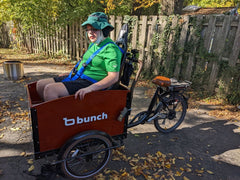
[[202, 143]]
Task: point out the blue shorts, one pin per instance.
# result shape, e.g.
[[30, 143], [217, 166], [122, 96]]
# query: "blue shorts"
[[73, 86]]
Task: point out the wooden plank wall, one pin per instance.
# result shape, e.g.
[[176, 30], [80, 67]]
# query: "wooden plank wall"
[[169, 56]]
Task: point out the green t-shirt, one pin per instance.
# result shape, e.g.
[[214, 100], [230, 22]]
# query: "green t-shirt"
[[107, 60]]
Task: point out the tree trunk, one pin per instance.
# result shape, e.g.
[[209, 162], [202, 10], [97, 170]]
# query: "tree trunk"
[[171, 7]]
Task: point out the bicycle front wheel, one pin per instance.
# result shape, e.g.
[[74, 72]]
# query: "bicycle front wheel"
[[85, 157], [171, 113]]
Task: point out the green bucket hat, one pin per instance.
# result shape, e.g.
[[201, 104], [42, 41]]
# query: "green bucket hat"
[[98, 20]]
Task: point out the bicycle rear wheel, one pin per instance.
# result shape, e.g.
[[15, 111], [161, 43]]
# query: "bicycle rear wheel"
[[86, 156], [171, 113]]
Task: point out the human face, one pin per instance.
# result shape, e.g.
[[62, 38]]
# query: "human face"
[[93, 33]]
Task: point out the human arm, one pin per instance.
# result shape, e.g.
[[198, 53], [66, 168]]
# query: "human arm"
[[109, 80]]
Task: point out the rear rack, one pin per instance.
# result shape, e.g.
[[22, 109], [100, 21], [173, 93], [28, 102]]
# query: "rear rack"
[[177, 86]]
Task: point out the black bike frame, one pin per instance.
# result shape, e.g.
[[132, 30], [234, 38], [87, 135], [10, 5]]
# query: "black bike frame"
[[159, 94]]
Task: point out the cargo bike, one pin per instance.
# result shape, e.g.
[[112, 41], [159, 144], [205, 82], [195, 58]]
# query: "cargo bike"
[[84, 133]]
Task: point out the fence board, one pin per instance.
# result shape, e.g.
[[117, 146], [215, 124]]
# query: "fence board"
[[190, 61], [210, 33], [220, 40], [112, 22], [77, 41], [73, 42], [170, 54], [161, 26], [151, 31], [192, 56], [118, 26], [142, 37], [135, 33], [236, 48], [182, 40], [222, 35]]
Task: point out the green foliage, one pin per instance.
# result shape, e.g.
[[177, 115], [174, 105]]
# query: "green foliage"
[[69, 11], [229, 83], [4, 11], [212, 3], [47, 14], [121, 7]]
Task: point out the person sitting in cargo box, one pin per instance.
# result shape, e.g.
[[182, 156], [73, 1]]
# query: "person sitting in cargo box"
[[98, 69]]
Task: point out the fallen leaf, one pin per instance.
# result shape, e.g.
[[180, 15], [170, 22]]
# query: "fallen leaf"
[[15, 129], [185, 178], [182, 169], [156, 176], [158, 153], [210, 172], [182, 158], [168, 166], [31, 168], [23, 154], [178, 173], [1, 136], [30, 161], [199, 171], [189, 165], [124, 174]]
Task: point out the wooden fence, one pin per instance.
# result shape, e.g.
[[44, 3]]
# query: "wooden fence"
[[4, 35], [184, 47]]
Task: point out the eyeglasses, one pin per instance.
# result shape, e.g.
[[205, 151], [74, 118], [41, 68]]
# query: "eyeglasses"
[[92, 30]]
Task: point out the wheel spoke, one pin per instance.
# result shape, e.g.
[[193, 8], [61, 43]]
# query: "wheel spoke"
[[175, 112], [80, 162]]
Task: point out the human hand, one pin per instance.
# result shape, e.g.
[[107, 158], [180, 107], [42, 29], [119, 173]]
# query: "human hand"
[[82, 92]]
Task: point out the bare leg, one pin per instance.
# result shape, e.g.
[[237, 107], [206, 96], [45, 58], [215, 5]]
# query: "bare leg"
[[41, 85], [54, 90]]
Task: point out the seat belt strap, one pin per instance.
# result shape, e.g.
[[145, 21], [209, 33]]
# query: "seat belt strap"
[[83, 76], [80, 71]]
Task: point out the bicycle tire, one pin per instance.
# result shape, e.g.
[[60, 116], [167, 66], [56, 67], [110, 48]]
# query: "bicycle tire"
[[172, 113], [76, 166]]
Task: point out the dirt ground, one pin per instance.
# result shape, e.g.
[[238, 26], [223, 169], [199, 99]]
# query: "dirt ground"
[[203, 147]]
